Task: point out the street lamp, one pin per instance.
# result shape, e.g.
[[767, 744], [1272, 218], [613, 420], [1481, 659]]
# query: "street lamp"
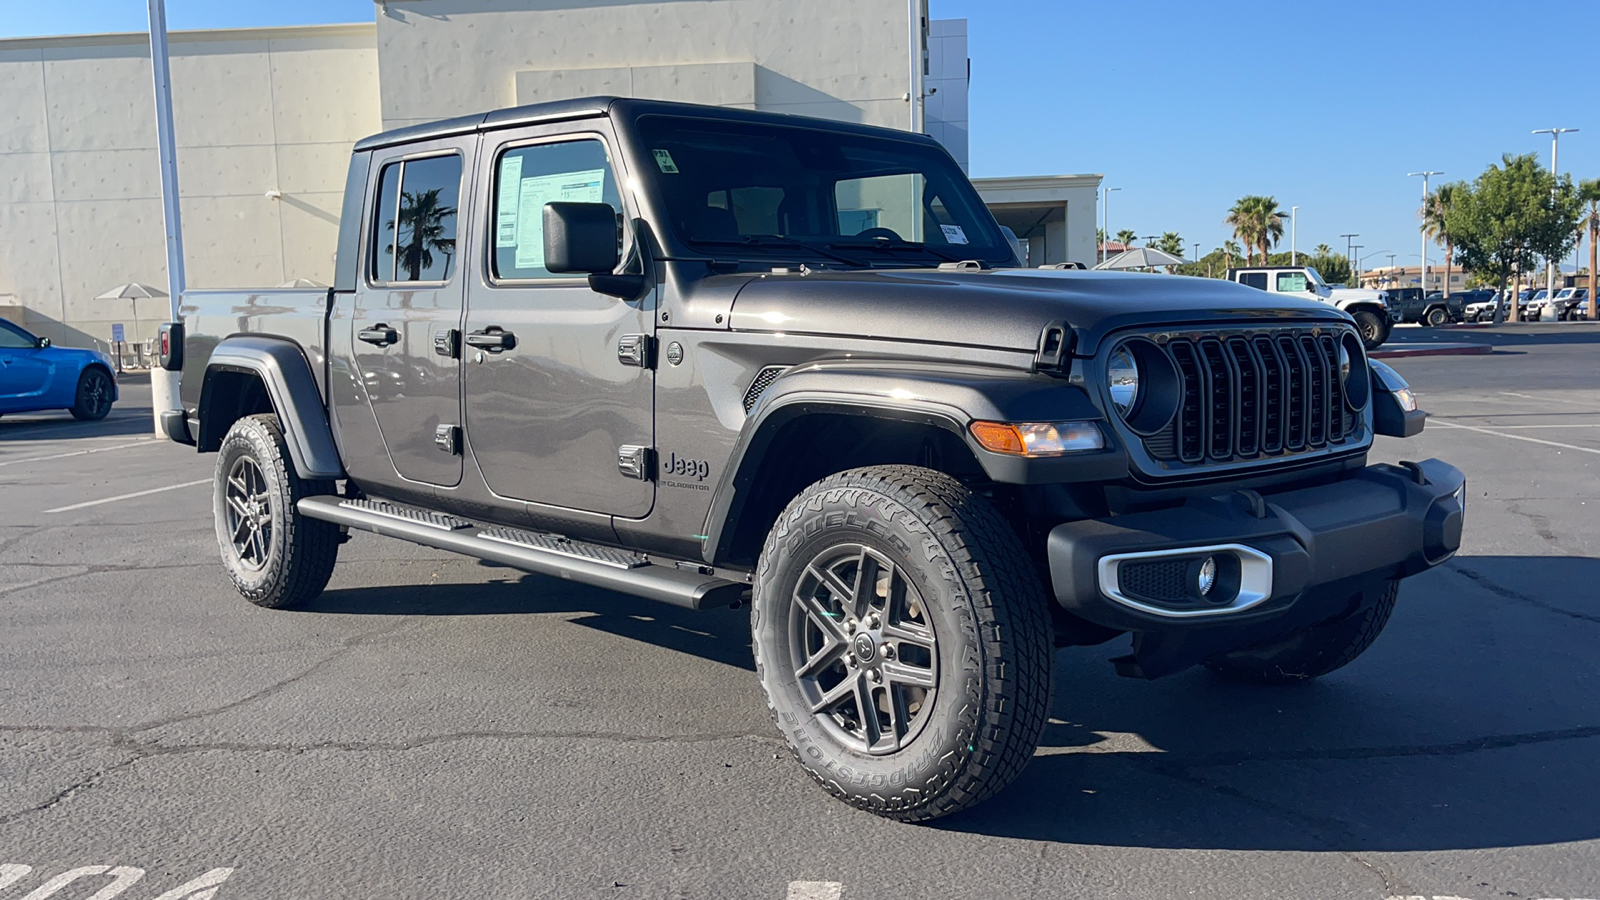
[[1422, 270], [1105, 234], [1294, 228], [1349, 251], [1555, 148]]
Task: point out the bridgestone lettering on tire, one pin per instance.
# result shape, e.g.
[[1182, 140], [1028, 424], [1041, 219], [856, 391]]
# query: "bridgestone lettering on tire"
[[903, 641], [1310, 652], [276, 557]]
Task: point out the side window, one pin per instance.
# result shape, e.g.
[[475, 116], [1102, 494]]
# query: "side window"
[[418, 203], [1291, 282], [12, 338], [526, 178], [1257, 280]]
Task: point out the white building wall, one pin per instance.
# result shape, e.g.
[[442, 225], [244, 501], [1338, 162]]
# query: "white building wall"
[[839, 59], [80, 192], [946, 84]]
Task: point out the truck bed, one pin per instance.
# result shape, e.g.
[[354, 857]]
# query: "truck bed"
[[296, 314]]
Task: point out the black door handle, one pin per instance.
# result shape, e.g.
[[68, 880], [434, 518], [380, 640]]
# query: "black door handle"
[[383, 335], [492, 339]]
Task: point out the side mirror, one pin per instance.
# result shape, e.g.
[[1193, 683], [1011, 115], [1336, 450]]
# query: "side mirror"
[[42, 343], [1019, 251], [580, 238]]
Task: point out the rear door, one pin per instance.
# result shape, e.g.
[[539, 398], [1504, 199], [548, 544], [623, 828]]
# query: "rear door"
[[554, 400], [406, 316]]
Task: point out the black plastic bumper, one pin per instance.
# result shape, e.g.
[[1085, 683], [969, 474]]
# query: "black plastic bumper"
[[1329, 546]]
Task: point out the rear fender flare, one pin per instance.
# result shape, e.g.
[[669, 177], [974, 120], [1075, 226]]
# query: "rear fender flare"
[[286, 375]]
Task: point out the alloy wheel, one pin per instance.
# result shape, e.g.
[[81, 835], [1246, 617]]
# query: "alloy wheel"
[[249, 513], [863, 648]]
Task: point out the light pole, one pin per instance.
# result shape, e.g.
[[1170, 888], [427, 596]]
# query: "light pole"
[[1349, 252], [1362, 260], [163, 384], [1391, 268], [1422, 270], [1105, 205], [1555, 149], [1294, 229]]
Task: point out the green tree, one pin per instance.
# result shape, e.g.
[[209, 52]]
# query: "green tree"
[[1257, 223], [1333, 268], [1126, 237], [1589, 192], [1435, 224], [1323, 250], [1231, 251], [1170, 242], [1512, 212]]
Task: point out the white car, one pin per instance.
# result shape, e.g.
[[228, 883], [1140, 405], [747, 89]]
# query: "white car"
[[1535, 308]]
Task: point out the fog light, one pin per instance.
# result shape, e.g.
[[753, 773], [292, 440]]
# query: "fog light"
[[1206, 578]]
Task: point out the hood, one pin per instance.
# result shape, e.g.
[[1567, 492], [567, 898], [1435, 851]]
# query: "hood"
[[1349, 293], [1000, 308]]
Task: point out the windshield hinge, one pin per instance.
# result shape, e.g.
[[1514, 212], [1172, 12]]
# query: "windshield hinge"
[[1054, 355]]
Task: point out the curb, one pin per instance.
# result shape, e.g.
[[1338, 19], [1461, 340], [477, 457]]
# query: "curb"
[[1460, 325], [1432, 350]]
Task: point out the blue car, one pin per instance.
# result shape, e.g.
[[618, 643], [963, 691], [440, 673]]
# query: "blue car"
[[35, 376]]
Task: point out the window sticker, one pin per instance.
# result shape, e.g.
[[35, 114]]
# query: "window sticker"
[[664, 162], [510, 184], [533, 193], [954, 234]]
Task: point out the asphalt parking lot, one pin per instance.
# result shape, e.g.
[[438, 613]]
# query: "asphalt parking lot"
[[435, 727]]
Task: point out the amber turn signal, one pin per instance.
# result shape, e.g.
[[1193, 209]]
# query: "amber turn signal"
[[1038, 438]]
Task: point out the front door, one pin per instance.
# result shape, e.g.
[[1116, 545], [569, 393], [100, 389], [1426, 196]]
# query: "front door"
[[551, 404], [25, 369], [406, 317]]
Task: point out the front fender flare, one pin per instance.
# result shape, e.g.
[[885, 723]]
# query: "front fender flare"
[[948, 397], [286, 374]]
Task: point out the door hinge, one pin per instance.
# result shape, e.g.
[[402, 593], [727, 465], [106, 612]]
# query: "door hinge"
[[636, 350], [633, 461], [448, 439], [447, 343]]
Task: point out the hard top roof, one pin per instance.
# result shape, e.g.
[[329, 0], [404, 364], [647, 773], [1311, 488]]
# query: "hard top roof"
[[615, 107]]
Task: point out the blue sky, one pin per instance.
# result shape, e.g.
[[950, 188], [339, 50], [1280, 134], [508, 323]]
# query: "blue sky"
[[1187, 105]]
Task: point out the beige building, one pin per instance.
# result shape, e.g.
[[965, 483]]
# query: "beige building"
[[1406, 276], [265, 119]]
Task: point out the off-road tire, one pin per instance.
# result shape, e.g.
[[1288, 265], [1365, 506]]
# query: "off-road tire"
[[92, 402], [1310, 652], [987, 610], [296, 554], [1370, 326], [1436, 317]]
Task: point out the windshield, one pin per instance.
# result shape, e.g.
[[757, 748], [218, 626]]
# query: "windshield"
[[1316, 277], [805, 193], [1564, 294]]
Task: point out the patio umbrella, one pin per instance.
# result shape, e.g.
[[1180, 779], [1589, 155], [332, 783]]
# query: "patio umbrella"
[[1141, 258], [133, 292]]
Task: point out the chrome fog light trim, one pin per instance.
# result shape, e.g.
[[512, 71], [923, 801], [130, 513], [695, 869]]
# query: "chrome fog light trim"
[[1255, 579]]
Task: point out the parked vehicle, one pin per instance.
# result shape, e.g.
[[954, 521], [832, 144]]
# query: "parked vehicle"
[[1369, 308], [1535, 308], [1432, 309], [36, 376], [1483, 311], [1564, 305], [711, 356]]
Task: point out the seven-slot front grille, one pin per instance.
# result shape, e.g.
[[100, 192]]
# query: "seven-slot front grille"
[[1255, 395]]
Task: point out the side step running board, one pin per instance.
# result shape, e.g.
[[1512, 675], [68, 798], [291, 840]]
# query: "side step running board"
[[546, 554]]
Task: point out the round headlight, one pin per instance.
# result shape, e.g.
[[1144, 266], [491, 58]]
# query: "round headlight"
[[1122, 373], [1344, 363]]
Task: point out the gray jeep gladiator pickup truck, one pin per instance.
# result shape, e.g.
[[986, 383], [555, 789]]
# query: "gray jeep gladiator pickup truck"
[[714, 357]]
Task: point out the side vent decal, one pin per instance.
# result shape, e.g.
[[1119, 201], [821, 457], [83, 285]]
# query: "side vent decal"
[[763, 380]]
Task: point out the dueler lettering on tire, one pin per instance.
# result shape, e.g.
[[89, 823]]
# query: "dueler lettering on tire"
[[902, 641], [275, 556]]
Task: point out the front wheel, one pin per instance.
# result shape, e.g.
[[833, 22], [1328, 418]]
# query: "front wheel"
[[93, 400], [1370, 326], [903, 641], [1436, 317], [1310, 652], [276, 557]]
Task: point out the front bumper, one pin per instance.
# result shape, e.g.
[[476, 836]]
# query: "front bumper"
[[1303, 556]]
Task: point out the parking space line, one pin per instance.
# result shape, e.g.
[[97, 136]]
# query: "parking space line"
[[18, 462], [1518, 437], [815, 890], [1551, 399], [88, 503]]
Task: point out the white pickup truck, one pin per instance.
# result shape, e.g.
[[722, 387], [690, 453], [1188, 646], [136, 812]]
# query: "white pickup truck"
[[1369, 308]]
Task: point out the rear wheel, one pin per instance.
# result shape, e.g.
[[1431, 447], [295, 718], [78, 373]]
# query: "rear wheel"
[[903, 642], [275, 556], [1310, 652], [93, 400], [1436, 317], [1370, 325]]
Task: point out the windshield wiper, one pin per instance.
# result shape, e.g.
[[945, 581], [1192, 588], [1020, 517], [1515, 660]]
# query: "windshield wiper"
[[778, 240], [902, 244]]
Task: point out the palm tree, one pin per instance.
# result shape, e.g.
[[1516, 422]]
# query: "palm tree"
[[1323, 250], [1170, 242], [423, 223], [1258, 223], [1231, 249], [1589, 192], [1242, 219], [1435, 224], [1126, 237]]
